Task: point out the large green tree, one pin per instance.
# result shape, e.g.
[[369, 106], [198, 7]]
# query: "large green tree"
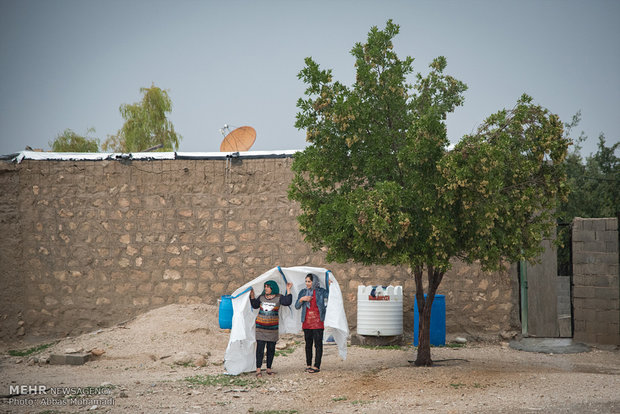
[[69, 141], [377, 183], [594, 182], [146, 124]]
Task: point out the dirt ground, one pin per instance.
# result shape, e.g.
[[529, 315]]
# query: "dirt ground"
[[158, 362]]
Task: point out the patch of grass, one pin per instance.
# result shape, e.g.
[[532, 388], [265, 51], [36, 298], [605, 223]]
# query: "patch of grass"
[[31, 351], [224, 380], [457, 385], [287, 351], [393, 347], [277, 412], [336, 399], [360, 402], [50, 412], [284, 352]]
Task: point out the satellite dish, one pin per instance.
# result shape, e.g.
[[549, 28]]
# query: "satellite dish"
[[239, 139]]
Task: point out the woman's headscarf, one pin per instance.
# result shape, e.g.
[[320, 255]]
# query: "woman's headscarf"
[[315, 286], [274, 287]]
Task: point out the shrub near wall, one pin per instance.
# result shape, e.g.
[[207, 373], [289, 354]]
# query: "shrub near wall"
[[97, 242]]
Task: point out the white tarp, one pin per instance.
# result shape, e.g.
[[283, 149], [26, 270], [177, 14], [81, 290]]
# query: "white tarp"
[[100, 156], [92, 156], [241, 351]]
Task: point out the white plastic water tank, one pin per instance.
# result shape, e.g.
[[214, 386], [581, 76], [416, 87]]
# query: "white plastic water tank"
[[379, 310]]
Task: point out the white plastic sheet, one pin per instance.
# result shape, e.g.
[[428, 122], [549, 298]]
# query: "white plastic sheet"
[[99, 156], [241, 351]]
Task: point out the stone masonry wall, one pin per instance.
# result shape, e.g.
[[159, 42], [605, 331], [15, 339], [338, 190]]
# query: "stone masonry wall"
[[87, 244], [12, 290], [596, 289]]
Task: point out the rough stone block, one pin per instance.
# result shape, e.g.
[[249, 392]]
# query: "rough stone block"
[[594, 246], [579, 303], [604, 293], [584, 337], [595, 269], [69, 359], [599, 224], [588, 314], [583, 292], [605, 235], [608, 258], [578, 224], [604, 281], [608, 317], [608, 339], [583, 236], [597, 304]]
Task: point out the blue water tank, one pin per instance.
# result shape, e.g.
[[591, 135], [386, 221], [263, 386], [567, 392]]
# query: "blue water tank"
[[438, 321], [226, 312]]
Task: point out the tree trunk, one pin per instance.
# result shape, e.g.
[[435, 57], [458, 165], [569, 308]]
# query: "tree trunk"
[[424, 334], [424, 313]]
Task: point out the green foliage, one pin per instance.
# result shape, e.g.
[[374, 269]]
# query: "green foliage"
[[146, 124], [69, 141], [388, 347], [276, 412], [503, 185], [594, 183], [378, 185], [31, 351], [287, 351], [369, 172]]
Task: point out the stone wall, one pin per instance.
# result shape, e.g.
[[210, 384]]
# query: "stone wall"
[[596, 289], [87, 244], [12, 288]]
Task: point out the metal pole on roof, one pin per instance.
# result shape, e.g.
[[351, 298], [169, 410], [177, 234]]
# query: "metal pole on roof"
[[156, 147]]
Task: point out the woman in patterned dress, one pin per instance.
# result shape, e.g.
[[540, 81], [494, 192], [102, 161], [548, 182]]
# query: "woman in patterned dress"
[[267, 321]]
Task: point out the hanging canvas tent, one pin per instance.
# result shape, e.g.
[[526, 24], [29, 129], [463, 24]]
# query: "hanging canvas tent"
[[240, 354]]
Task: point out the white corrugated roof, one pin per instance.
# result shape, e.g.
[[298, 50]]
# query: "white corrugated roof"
[[99, 156]]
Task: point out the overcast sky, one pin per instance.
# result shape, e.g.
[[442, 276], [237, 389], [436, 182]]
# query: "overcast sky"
[[72, 63]]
